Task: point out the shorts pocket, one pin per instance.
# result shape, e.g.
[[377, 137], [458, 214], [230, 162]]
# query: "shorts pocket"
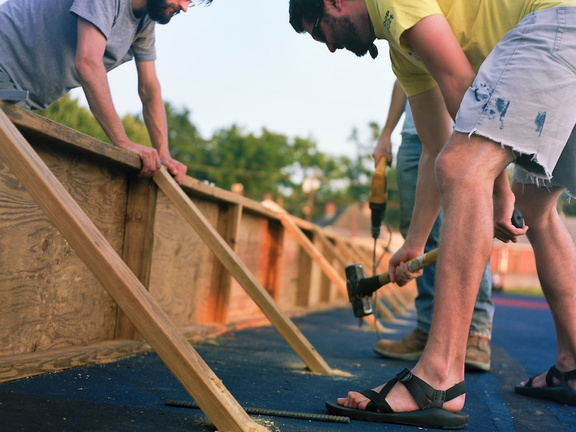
[[565, 42]]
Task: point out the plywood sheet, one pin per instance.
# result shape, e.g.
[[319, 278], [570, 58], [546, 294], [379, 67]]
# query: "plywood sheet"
[[182, 264], [48, 298]]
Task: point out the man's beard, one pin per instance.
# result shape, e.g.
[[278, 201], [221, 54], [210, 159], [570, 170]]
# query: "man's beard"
[[355, 43], [157, 10]]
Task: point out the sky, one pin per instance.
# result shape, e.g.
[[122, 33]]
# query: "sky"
[[240, 62]]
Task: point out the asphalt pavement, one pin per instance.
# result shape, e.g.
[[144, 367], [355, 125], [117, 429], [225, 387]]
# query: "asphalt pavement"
[[262, 372]]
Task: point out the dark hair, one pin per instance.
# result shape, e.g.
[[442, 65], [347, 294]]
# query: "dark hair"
[[304, 10]]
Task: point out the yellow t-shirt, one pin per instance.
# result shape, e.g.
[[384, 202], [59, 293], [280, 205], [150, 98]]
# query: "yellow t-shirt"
[[478, 26]]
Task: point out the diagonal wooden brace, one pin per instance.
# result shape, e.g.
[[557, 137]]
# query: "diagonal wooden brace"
[[241, 273], [124, 287]]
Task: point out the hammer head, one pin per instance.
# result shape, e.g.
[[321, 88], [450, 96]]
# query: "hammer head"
[[361, 304]]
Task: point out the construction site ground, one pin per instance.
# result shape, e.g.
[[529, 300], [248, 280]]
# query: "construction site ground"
[[259, 368]]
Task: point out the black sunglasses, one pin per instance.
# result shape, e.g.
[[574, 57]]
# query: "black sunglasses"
[[316, 32]]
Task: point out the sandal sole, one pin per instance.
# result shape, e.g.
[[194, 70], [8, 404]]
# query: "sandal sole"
[[436, 418], [562, 395]]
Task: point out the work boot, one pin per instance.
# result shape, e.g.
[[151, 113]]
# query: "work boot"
[[478, 354], [412, 345], [409, 348]]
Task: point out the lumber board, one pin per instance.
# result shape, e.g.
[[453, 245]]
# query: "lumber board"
[[241, 273], [305, 277], [326, 288], [138, 241], [229, 219], [31, 124], [320, 281], [197, 187], [171, 346], [275, 249]]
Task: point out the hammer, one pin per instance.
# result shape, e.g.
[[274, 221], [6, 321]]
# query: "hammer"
[[360, 288]]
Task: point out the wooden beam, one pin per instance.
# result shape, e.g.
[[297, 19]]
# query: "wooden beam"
[[32, 124], [274, 268], [123, 286], [241, 273], [138, 241], [229, 218]]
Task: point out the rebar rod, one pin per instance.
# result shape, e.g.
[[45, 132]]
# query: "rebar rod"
[[270, 412]]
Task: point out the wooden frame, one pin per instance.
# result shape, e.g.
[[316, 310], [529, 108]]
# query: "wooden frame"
[[241, 273], [175, 351]]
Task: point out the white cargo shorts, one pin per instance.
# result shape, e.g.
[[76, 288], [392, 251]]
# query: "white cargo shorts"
[[524, 98]]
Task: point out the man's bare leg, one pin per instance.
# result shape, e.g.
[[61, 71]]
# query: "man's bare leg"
[[555, 254], [466, 170]]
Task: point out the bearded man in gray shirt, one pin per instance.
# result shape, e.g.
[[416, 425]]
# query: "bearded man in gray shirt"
[[49, 47]]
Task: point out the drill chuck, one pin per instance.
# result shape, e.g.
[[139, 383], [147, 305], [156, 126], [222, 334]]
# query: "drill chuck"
[[376, 218]]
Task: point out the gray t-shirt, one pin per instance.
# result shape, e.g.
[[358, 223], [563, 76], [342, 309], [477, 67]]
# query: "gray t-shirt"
[[38, 42]]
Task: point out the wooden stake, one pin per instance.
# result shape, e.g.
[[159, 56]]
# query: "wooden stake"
[[147, 316], [138, 242], [241, 273], [229, 220]]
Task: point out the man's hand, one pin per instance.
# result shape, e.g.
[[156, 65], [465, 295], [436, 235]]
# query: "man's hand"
[[176, 168], [504, 230], [504, 201], [397, 269], [148, 155], [383, 148]]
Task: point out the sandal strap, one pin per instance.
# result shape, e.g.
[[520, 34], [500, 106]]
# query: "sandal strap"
[[424, 394], [563, 377], [377, 402], [378, 399]]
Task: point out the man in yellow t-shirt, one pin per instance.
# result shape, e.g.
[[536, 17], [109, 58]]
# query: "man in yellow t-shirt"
[[505, 72]]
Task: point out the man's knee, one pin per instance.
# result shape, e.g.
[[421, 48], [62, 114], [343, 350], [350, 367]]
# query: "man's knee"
[[450, 169]]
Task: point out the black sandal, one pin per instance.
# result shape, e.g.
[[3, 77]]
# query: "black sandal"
[[429, 400], [560, 393]]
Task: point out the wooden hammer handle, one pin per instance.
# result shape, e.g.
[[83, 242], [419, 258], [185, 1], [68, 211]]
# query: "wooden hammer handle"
[[429, 258], [414, 264]]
